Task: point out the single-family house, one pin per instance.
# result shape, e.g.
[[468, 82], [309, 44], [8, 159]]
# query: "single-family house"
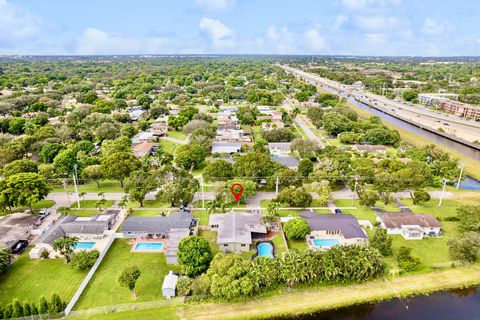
[[158, 129], [226, 147], [333, 229], [169, 285], [369, 148], [279, 147], [143, 136], [143, 149], [410, 225], [136, 113], [288, 161], [237, 230], [16, 227], [268, 126]]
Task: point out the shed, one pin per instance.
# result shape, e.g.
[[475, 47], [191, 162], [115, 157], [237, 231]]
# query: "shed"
[[169, 285]]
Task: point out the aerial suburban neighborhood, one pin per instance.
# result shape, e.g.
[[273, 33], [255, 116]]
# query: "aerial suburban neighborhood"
[[309, 172]]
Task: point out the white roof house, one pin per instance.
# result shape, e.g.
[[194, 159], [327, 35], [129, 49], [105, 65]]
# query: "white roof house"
[[169, 285], [226, 147]]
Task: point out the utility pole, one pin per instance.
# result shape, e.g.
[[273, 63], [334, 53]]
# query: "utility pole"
[[276, 188], [203, 195], [75, 184], [443, 192], [354, 191], [460, 176], [66, 191]]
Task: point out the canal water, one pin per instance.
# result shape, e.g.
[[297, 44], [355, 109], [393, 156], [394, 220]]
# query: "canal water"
[[470, 184], [460, 148], [462, 304]]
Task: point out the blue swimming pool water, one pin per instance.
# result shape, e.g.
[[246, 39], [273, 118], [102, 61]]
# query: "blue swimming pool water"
[[151, 246], [84, 245], [265, 249], [325, 242], [277, 155]]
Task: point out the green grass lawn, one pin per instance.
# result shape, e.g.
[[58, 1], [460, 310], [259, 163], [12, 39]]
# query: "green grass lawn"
[[290, 212], [149, 204], [199, 170], [430, 251], [202, 215], [92, 204], [146, 213], [279, 245], [84, 213], [165, 313], [91, 186], [28, 280], [176, 135], [104, 290], [297, 244], [211, 236], [168, 146]]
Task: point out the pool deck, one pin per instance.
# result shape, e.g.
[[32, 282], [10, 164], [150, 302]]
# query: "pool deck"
[[135, 241]]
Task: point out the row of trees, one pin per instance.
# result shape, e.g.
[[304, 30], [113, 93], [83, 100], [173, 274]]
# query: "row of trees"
[[231, 276], [18, 309]]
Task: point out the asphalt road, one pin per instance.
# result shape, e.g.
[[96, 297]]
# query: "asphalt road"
[[461, 127]]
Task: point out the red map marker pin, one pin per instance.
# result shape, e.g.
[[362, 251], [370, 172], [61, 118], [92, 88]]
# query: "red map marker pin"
[[237, 191]]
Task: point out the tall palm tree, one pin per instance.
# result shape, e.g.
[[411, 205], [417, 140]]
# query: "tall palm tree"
[[65, 246], [64, 210]]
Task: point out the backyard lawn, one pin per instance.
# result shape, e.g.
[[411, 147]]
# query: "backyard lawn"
[[279, 245], [104, 290], [147, 213], [28, 280], [211, 236], [149, 204], [430, 251], [176, 135], [202, 215], [168, 146], [85, 213]]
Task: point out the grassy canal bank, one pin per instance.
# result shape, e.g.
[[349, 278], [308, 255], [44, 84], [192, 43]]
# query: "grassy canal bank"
[[312, 299]]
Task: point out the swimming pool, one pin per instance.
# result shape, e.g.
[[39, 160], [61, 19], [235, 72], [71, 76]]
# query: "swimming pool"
[[325, 242], [84, 245], [265, 249], [149, 246], [277, 155]]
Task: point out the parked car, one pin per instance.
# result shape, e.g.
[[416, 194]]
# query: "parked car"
[[43, 213], [19, 247], [338, 211]]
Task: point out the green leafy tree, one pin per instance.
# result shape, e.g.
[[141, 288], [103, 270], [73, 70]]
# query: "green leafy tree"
[[64, 161], [469, 218], [420, 196], [94, 173], [43, 306], [189, 156], [369, 198], [84, 260], [219, 170], [19, 166], [295, 197], [49, 151], [296, 228], [194, 255], [17, 309], [128, 278], [466, 247], [119, 165], [382, 242], [5, 259], [139, 184], [253, 164], [56, 305], [406, 261], [305, 167], [24, 189], [64, 246], [179, 189]]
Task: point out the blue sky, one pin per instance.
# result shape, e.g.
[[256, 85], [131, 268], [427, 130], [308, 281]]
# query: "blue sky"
[[351, 27]]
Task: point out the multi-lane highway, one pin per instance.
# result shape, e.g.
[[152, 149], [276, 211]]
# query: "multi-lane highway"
[[465, 129]]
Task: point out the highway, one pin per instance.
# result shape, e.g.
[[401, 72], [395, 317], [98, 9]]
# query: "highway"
[[468, 130]]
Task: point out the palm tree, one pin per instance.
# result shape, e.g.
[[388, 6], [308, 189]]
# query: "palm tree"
[[64, 210], [212, 206], [101, 195], [65, 246], [123, 202], [100, 203], [82, 195]]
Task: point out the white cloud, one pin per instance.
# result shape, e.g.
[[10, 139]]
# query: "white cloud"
[[375, 39], [361, 4], [214, 5], [16, 24], [95, 41], [220, 35], [340, 20], [315, 41], [376, 22], [432, 28]]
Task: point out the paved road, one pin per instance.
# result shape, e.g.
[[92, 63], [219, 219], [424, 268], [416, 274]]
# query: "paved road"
[[466, 129], [312, 136]]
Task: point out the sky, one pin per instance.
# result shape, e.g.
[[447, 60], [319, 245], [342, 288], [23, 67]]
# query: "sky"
[[321, 27]]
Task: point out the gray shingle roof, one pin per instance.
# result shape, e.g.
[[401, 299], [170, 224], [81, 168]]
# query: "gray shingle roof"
[[288, 161], [345, 223], [237, 227], [159, 224], [398, 219]]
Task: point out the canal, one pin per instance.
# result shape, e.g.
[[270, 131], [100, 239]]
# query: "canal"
[[462, 304]]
